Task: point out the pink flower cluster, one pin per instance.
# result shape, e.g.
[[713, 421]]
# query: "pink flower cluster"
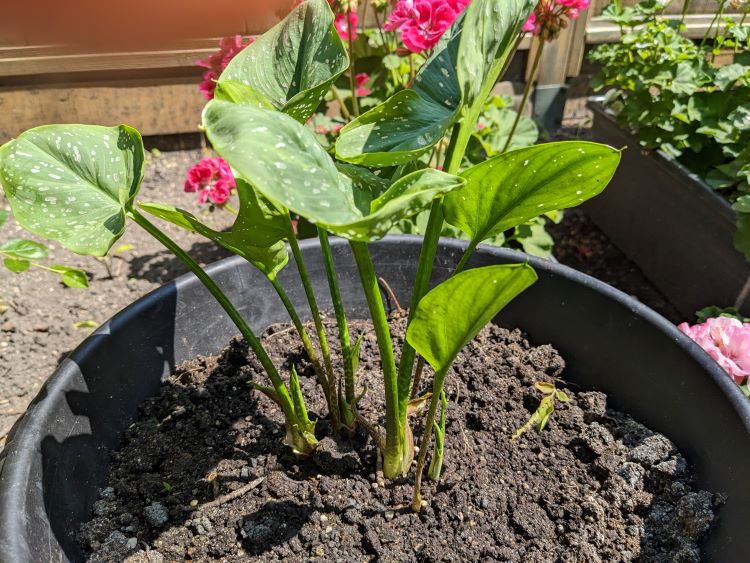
[[423, 22], [727, 341], [216, 63], [213, 180], [343, 24], [550, 16]]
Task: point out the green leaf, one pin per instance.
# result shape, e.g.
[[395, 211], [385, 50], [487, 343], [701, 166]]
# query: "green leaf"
[[545, 387], [452, 313], [239, 93], [85, 324], [458, 74], [742, 235], [269, 259], [298, 400], [526, 133], [71, 277], [4, 216], [17, 265], [73, 183], [490, 32], [23, 249], [285, 163], [294, 63], [400, 130], [517, 186]]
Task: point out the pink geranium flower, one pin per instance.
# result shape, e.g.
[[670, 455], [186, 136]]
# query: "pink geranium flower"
[[530, 25], [343, 24], [727, 341], [423, 22], [218, 61], [213, 180], [362, 79]]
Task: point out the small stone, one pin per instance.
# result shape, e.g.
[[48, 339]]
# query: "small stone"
[[41, 328], [156, 514], [131, 544], [8, 326], [194, 502], [323, 518], [179, 411], [245, 473], [389, 515]]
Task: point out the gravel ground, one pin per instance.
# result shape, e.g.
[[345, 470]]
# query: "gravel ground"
[[38, 314]]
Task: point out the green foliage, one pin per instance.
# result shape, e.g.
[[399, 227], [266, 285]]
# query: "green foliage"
[[540, 417], [295, 63], [462, 70], [665, 88], [702, 315], [73, 183], [494, 127], [284, 162], [513, 188], [470, 300]]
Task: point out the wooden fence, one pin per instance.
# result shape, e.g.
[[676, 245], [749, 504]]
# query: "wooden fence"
[[156, 90]]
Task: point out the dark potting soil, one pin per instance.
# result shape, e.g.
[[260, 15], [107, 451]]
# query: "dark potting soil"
[[595, 485]]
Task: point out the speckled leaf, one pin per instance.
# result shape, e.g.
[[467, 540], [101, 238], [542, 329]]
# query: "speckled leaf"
[[268, 259], [295, 62], [490, 32], [73, 183], [454, 312], [397, 131], [469, 57], [239, 93], [284, 162], [512, 188]]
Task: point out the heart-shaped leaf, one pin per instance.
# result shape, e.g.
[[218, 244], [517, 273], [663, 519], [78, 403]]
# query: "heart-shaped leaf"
[[284, 162], [294, 63], [23, 249], [454, 312], [73, 183], [268, 259], [512, 188]]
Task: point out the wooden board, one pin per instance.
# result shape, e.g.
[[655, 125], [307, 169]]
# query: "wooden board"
[[158, 108]]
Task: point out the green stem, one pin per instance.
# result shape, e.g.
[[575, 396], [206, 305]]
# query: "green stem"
[[229, 208], [436, 463], [465, 258], [343, 326], [393, 462], [437, 387], [285, 400], [304, 336], [526, 92], [342, 106], [330, 390], [717, 15], [685, 7], [352, 77]]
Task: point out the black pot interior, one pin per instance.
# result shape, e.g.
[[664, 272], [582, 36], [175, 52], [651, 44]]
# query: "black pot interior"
[[57, 455]]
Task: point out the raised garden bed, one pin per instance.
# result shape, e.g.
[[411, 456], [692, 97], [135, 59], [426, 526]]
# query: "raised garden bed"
[[671, 224], [610, 343]]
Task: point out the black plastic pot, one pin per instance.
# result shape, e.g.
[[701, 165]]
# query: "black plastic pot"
[[670, 223], [57, 455]]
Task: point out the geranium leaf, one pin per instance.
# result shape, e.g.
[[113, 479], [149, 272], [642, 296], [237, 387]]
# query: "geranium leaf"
[[73, 183], [268, 259], [512, 188], [16, 265], [284, 162], [294, 63], [470, 300], [23, 249], [71, 277]]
